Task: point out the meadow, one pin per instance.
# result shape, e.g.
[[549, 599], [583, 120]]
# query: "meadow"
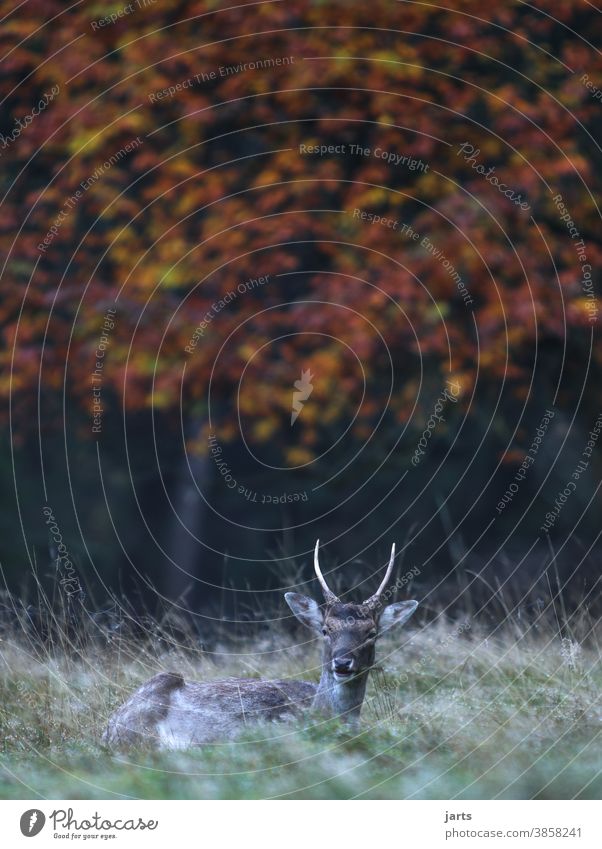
[[454, 710]]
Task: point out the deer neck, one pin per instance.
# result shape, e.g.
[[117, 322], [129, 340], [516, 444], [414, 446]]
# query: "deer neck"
[[340, 698]]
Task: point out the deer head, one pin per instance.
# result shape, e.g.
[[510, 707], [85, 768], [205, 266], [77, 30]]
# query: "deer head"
[[349, 633]]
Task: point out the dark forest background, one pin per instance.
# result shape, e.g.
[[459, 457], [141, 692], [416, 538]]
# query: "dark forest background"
[[193, 193]]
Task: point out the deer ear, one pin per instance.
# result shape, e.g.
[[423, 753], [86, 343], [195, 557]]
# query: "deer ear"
[[396, 614], [306, 610]]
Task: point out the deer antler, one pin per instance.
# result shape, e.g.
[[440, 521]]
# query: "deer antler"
[[375, 598], [329, 596]]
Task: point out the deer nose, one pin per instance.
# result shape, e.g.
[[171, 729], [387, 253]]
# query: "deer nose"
[[343, 665]]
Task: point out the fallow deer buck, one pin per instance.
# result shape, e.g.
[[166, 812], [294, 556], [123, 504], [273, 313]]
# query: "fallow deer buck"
[[170, 713]]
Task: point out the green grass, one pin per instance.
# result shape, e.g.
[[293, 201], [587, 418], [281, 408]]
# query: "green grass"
[[514, 715]]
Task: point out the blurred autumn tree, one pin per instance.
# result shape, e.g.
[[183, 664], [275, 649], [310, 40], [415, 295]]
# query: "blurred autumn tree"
[[190, 192]]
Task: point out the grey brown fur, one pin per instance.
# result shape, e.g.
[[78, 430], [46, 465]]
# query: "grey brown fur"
[[168, 712]]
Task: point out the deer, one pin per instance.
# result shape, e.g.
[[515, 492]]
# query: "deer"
[[168, 712]]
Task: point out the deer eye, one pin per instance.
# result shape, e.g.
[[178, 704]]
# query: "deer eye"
[[372, 635], [325, 631]]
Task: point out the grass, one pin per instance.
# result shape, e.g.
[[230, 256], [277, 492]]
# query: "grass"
[[451, 712]]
